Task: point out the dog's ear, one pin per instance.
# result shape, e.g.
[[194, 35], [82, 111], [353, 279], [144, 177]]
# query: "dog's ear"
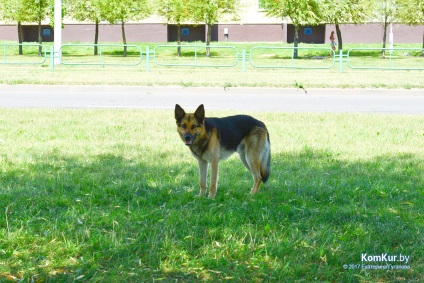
[[179, 113], [200, 113]]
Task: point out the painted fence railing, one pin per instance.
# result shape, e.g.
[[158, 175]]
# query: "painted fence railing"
[[391, 58], [259, 57], [195, 56], [32, 54], [107, 54], [292, 57]]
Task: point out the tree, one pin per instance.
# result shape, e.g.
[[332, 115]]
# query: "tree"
[[122, 11], [301, 12], [412, 12], [210, 12], [344, 11], [38, 10], [176, 12], [88, 10], [386, 12], [27, 11], [15, 11]]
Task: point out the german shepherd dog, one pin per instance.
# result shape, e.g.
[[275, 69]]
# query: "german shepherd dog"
[[213, 139]]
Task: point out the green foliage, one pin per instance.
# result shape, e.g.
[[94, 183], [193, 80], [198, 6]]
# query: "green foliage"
[[14, 11], [210, 12], [38, 10], [345, 11], [121, 11], [384, 10], [412, 12], [304, 12], [174, 11], [85, 10]]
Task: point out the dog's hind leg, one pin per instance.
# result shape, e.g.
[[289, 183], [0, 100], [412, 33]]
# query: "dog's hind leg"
[[255, 167], [256, 148], [251, 165], [242, 154]]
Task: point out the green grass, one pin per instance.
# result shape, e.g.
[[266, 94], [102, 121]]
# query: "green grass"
[[109, 196], [209, 77], [284, 74]]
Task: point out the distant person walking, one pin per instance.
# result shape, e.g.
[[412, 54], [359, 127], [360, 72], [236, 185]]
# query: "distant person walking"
[[333, 41]]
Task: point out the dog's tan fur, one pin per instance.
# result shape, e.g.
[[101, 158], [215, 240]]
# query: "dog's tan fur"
[[213, 139]]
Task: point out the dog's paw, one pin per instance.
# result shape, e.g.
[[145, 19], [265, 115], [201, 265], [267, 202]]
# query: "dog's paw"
[[253, 191]]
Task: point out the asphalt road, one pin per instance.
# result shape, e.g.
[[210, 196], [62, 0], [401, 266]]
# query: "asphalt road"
[[237, 99]]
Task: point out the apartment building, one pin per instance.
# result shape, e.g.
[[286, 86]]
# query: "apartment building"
[[249, 25]]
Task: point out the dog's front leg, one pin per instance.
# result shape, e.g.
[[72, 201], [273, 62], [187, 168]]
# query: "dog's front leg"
[[214, 178], [203, 173]]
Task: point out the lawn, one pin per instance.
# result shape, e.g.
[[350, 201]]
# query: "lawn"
[[266, 64], [109, 196]]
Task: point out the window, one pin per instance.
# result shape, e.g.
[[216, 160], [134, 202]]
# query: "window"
[[46, 32], [307, 31], [185, 31]]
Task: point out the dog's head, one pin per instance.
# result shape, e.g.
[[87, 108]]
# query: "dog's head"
[[190, 125]]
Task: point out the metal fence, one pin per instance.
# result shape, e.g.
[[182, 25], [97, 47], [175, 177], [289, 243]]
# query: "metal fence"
[[195, 56], [259, 57], [292, 57], [391, 58], [106, 54], [31, 54]]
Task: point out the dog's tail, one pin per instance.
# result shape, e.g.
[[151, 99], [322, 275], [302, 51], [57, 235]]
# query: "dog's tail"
[[266, 161]]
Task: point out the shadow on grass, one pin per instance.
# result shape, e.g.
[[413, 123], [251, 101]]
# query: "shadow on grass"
[[107, 218]]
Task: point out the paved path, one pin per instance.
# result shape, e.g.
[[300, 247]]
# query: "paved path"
[[237, 99]]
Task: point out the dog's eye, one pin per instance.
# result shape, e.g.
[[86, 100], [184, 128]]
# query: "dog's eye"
[[193, 127], [184, 126]]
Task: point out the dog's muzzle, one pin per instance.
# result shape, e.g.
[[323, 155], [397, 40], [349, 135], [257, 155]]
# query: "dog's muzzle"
[[188, 139]]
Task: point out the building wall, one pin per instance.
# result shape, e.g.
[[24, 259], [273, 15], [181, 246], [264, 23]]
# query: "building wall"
[[373, 33], [85, 33], [30, 33], [252, 32], [9, 32], [113, 33], [308, 34], [189, 33], [158, 32]]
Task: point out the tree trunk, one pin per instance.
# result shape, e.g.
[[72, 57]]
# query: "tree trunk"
[[40, 39], [179, 39], [96, 37], [124, 39], [208, 39], [20, 38], [295, 41], [383, 53], [339, 37]]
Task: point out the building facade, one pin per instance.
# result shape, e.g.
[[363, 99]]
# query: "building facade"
[[249, 25]]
